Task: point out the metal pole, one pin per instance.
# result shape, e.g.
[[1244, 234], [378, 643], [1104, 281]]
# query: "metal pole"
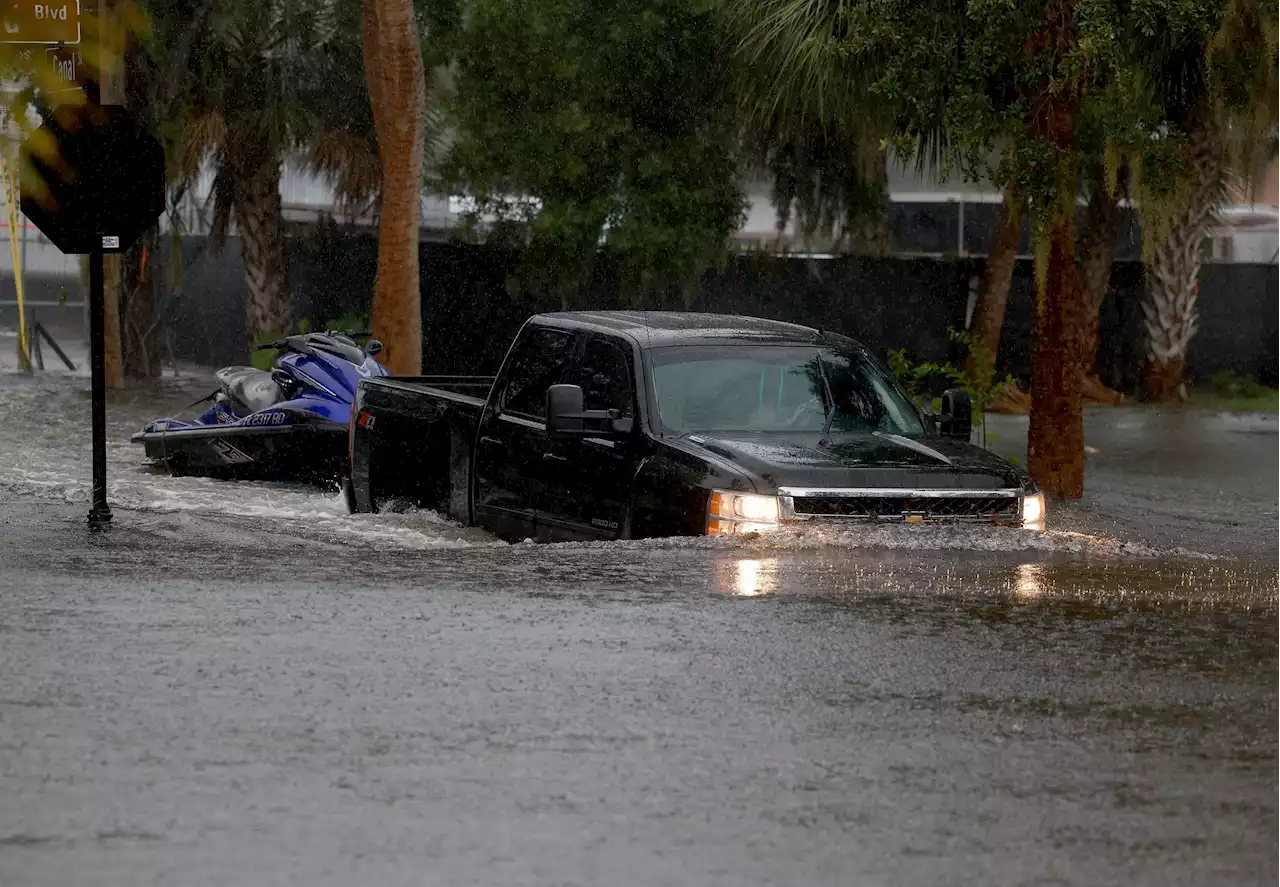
[[41, 331], [100, 512], [34, 345]]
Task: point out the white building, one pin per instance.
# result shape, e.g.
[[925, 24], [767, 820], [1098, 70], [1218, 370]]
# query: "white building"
[[1248, 233]]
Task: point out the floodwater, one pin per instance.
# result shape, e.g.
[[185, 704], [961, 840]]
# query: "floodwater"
[[242, 684]]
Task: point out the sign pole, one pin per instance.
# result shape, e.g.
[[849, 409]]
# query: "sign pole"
[[105, 187], [100, 512]]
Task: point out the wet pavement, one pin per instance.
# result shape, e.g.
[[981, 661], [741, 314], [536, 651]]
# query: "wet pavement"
[[1197, 479], [241, 684]]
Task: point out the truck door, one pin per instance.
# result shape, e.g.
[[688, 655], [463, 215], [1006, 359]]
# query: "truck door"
[[512, 436], [586, 487]]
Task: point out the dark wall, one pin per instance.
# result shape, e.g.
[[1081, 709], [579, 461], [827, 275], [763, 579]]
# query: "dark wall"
[[469, 316], [884, 303], [46, 289], [1238, 322], [205, 309]]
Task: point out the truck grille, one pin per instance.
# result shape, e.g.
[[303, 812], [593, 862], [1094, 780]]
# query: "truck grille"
[[942, 508]]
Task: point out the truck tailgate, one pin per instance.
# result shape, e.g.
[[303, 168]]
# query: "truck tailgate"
[[411, 442]]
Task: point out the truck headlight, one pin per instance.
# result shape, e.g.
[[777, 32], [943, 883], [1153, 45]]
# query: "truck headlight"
[[1033, 512], [730, 512]]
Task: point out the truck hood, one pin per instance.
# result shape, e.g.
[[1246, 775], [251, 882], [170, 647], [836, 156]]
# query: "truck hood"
[[874, 460]]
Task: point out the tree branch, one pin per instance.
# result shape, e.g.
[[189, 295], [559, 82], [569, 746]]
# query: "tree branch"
[[179, 58]]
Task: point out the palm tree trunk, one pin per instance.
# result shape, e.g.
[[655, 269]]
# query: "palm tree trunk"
[[1055, 440], [139, 326], [140, 339], [397, 94], [260, 220], [1173, 270], [988, 319], [1097, 253]]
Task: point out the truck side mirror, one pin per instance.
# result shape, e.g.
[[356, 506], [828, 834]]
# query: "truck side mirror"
[[564, 411], [567, 419], [957, 414]]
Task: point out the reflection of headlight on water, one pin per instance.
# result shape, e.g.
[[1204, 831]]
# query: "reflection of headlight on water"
[[1028, 582], [752, 578]]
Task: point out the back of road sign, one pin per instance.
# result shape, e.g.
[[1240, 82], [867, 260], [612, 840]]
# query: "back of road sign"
[[92, 178]]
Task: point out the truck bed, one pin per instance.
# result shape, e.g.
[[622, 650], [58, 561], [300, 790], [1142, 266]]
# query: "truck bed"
[[451, 388], [411, 439]]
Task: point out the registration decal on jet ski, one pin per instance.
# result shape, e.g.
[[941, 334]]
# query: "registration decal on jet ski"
[[230, 454], [275, 417]]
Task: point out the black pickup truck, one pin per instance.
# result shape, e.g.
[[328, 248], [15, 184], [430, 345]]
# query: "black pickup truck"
[[630, 424]]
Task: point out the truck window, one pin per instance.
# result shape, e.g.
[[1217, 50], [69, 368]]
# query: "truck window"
[[763, 388], [605, 378], [538, 362]]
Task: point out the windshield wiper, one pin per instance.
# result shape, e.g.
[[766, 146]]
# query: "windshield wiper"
[[830, 400]]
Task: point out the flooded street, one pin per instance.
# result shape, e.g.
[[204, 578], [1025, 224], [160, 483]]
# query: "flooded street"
[[242, 684]]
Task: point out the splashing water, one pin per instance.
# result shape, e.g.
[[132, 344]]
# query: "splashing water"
[[44, 435]]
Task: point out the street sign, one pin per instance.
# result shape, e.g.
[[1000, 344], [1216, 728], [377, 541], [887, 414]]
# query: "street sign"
[[104, 187], [26, 21], [67, 64], [92, 181]]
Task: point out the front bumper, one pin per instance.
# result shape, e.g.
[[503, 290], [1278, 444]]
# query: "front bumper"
[[736, 512]]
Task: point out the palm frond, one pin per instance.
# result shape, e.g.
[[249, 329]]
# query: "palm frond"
[[201, 137], [349, 162], [792, 61]]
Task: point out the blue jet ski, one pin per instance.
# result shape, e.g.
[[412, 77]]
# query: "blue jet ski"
[[287, 424]]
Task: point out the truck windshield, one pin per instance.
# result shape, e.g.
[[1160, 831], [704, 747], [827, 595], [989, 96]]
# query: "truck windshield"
[[756, 388]]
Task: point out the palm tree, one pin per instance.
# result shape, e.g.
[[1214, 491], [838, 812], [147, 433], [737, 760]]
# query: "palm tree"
[[1216, 92], [809, 122], [397, 95], [272, 81], [906, 65], [818, 131], [1174, 259]]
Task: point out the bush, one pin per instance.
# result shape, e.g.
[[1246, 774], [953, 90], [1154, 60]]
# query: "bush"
[[353, 320], [1229, 383], [264, 360], [925, 381]]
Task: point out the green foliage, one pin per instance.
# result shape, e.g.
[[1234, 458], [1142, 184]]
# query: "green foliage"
[[924, 381], [832, 181], [963, 77], [244, 83], [1250, 397], [582, 123], [264, 360], [1231, 384], [352, 320], [809, 122]]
